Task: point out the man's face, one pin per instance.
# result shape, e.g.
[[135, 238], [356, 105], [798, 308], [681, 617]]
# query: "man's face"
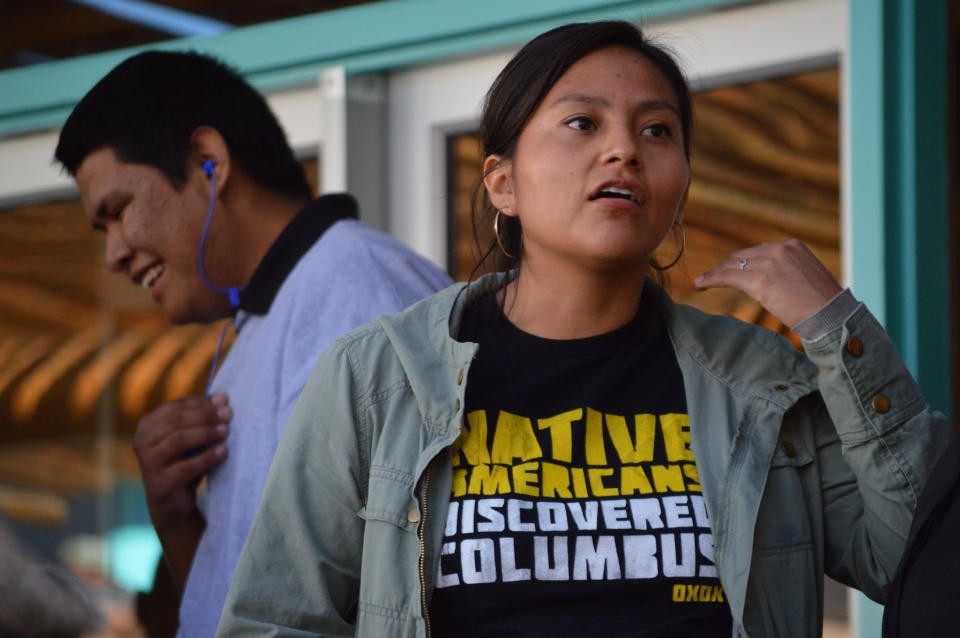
[[153, 231]]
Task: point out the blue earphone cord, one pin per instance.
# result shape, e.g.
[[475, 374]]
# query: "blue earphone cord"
[[216, 359], [234, 292]]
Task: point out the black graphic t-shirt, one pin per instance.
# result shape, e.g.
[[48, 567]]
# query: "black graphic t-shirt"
[[576, 506]]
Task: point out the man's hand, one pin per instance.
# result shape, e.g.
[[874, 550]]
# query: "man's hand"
[[785, 278], [176, 445]]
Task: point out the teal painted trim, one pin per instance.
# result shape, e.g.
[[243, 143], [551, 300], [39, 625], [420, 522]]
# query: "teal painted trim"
[[866, 113], [898, 179], [869, 618], [377, 36], [926, 190], [900, 191]]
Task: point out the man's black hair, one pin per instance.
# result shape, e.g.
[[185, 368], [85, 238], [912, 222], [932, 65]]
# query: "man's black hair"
[[147, 107]]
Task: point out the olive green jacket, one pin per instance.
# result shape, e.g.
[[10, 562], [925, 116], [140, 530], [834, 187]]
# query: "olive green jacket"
[[803, 472]]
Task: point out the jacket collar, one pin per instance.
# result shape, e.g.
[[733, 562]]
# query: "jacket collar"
[[727, 350], [440, 316], [723, 347], [434, 371]]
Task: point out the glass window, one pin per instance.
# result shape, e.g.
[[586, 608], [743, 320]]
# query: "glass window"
[[766, 167], [464, 166]]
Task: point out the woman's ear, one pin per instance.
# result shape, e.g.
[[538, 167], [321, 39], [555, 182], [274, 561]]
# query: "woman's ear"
[[498, 180], [206, 146]]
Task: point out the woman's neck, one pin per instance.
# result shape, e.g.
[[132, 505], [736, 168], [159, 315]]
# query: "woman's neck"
[[571, 303]]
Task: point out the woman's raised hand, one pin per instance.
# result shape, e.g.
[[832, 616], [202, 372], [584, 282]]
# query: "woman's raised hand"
[[785, 278]]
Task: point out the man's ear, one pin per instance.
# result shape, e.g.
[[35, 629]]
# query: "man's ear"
[[498, 180], [206, 145]]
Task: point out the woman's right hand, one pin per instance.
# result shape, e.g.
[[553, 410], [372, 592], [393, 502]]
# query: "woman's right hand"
[[784, 277]]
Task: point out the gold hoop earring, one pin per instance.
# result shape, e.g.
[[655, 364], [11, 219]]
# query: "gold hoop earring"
[[683, 245], [496, 233]]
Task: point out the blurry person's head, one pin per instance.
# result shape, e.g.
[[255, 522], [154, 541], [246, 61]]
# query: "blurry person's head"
[[586, 136], [137, 143], [148, 107]]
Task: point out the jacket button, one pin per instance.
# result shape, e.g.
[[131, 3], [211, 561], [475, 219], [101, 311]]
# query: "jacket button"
[[854, 347], [789, 450], [413, 515], [880, 404], [781, 387], [460, 377], [456, 406]]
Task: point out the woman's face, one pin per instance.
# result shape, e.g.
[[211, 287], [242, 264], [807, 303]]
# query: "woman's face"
[[599, 174]]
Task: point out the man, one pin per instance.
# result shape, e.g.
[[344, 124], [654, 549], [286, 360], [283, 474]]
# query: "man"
[[163, 145]]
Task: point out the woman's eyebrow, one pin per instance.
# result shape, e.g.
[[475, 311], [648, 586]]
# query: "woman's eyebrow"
[[658, 105], [583, 98], [594, 100]]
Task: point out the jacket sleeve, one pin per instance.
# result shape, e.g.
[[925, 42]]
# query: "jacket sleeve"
[[299, 572], [888, 437]]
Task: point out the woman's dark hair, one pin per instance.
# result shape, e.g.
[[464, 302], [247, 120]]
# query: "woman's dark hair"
[[522, 85], [147, 107]]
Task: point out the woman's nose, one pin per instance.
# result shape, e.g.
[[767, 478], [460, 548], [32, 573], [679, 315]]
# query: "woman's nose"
[[622, 146]]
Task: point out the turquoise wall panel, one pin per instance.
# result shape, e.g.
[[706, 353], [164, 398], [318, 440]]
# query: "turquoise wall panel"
[[898, 179], [899, 191]]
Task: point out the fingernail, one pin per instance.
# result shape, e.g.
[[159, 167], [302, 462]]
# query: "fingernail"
[[219, 450], [224, 413], [222, 428], [219, 398]]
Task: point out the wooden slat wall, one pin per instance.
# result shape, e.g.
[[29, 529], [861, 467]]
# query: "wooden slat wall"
[[766, 167]]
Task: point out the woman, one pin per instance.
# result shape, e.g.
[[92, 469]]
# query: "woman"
[[560, 450]]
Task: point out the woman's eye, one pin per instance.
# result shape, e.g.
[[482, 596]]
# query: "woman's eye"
[[581, 123], [656, 130]]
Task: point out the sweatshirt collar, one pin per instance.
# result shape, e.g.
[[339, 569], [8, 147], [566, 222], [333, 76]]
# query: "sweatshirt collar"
[[303, 231]]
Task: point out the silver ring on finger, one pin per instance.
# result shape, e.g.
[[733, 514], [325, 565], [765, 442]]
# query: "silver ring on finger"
[[743, 263]]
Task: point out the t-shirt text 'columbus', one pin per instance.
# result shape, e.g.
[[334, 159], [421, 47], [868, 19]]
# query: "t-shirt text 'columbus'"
[[576, 505]]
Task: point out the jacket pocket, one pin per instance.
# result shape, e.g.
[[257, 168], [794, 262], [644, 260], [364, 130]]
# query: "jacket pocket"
[[783, 599], [790, 454], [783, 523], [390, 499]]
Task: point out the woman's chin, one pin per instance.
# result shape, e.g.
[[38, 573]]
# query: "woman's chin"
[[617, 263]]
